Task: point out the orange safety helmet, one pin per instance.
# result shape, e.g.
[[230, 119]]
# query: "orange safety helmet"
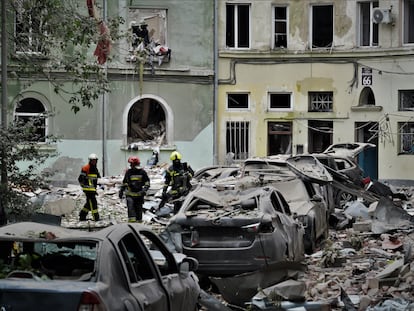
[[134, 160]]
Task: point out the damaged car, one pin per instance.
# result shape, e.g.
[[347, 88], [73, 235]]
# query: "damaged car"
[[233, 231], [121, 267], [304, 183]]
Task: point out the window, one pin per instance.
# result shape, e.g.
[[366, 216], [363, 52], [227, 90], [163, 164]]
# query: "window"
[[280, 27], [30, 26], [238, 101], [237, 139], [31, 110], [238, 25], [279, 138], [322, 26], [320, 135], [146, 122], [408, 22], [320, 101], [406, 100], [367, 97], [280, 101], [155, 21], [368, 30], [406, 137]]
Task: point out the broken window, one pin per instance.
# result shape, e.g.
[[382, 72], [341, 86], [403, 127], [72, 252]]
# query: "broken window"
[[406, 100], [148, 35], [146, 122], [237, 139], [280, 26], [31, 112], [48, 260], [408, 22], [367, 97], [320, 101], [238, 101], [279, 138], [319, 135], [406, 137], [368, 30], [134, 259], [280, 101], [322, 26], [30, 26], [238, 25]]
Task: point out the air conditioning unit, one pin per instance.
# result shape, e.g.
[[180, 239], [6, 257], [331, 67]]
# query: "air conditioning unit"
[[381, 16]]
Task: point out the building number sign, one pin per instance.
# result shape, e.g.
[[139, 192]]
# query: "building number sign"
[[366, 76]]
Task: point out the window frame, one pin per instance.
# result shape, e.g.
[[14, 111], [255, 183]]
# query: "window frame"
[[276, 20], [239, 142], [402, 137], [313, 31], [407, 21], [270, 94], [321, 101], [401, 94], [30, 36], [373, 27], [233, 34], [244, 108], [30, 115]]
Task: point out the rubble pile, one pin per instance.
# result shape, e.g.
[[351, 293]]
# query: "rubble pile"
[[356, 269]]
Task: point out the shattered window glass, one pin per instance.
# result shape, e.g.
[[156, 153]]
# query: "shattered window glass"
[[48, 260]]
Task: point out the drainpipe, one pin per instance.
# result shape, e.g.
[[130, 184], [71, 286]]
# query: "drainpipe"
[[215, 87], [4, 83], [104, 103]]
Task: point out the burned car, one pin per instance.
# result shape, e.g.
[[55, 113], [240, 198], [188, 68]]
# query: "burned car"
[[121, 267], [303, 181], [340, 160], [233, 231]]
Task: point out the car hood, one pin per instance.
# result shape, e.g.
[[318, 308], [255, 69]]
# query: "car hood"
[[350, 150]]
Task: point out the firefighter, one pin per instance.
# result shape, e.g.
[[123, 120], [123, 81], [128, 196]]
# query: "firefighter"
[[135, 186], [178, 177], [88, 179]]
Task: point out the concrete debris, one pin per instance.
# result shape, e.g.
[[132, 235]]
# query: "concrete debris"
[[371, 264]]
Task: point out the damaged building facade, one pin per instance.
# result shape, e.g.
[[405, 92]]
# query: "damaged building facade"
[[297, 76], [169, 107], [243, 78]]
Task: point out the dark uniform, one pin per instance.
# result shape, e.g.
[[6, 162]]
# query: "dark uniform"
[[178, 176], [88, 179], [135, 185]]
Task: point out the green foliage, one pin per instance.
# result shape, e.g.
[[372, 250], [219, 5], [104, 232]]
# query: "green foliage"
[[67, 36], [18, 146]]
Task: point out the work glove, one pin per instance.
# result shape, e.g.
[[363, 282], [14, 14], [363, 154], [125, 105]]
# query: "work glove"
[[121, 194]]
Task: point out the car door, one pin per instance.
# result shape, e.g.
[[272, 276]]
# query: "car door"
[[144, 280], [182, 288]]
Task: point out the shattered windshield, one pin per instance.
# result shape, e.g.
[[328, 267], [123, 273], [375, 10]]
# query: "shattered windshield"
[[48, 260]]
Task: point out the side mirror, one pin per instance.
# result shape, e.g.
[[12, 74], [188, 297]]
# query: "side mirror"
[[188, 264]]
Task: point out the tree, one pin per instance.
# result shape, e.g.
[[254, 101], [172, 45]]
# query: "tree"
[[52, 40]]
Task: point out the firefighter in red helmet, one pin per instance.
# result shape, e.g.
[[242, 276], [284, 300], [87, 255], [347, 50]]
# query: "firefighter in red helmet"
[[88, 180], [135, 186]]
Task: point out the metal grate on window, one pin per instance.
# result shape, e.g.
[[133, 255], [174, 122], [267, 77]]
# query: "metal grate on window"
[[237, 139], [320, 101], [406, 137]]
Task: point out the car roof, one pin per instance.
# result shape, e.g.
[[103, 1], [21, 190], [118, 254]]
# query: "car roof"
[[33, 231], [348, 149]]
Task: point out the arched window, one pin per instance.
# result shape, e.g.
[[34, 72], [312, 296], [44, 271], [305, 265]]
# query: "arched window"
[[32, 110], [146, 122], [367, 97]]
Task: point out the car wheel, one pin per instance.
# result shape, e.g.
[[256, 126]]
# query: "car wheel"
[[343, 198]]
